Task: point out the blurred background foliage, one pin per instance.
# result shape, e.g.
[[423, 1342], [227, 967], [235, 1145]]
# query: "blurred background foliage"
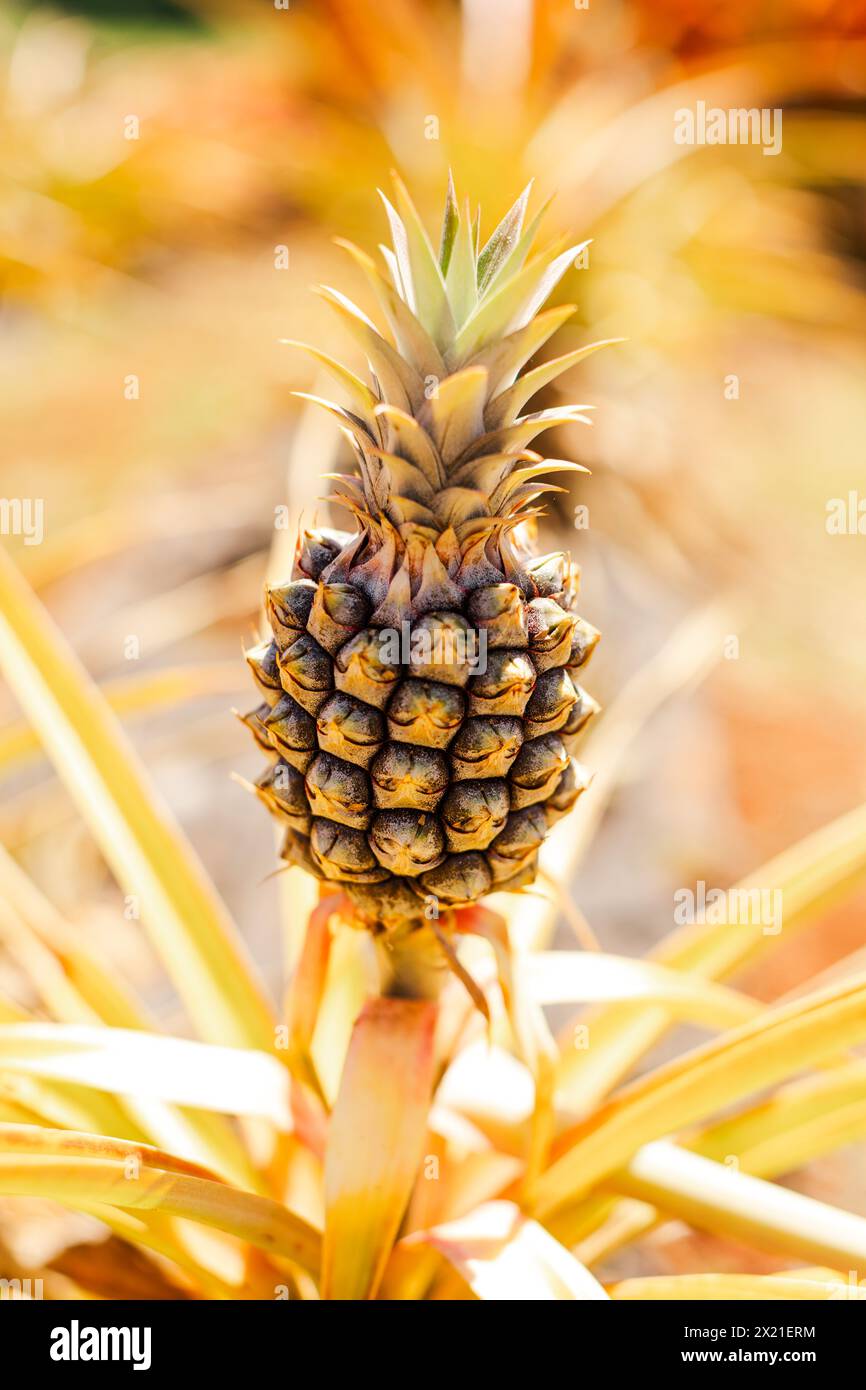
[[260, 128]]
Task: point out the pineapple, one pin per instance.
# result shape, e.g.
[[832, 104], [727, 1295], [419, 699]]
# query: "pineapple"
[[420, 695]]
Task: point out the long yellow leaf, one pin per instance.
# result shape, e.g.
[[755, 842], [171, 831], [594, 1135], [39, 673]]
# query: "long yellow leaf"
[[141, 693], [69, 1107], [55, 1103], [81, 1170], [810, 876], [780, 1042], [736, 1205], [146, 850], [376, 1141], [76, 987], [802, 1121], [749, 1287], [560, 977]]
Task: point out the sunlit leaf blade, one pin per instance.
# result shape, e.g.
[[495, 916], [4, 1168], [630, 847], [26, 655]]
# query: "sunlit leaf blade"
[[150, 857], [810, 875], [81, 1170], [351, 979], [431, 299], [454, 414], [219, 1265], [590, 977], [461, 280], [375, 1142], [400, 264], [32, 1100], [504, 357], [504, 408], [739, 1206], [361, 395], [744, 1287], [776, 1045], [494, 1090], [800, 1122], [144, 692], [514, 303], [76, 988], [504, 1256], [521, 249], [233, 1081], [413, 341]]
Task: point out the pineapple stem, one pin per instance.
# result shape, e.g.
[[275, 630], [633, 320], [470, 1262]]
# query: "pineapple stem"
[[412, 966]]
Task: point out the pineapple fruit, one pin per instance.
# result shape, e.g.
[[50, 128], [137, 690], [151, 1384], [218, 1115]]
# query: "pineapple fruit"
[[420, 695]]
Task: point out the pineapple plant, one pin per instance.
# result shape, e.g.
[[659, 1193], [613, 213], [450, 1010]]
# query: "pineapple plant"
[[346, 1145], [420, 695]]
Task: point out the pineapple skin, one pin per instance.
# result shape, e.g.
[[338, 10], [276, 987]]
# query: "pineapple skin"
[[420, 695]]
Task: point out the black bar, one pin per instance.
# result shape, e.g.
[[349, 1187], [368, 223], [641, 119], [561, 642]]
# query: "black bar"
[[255, 1338]]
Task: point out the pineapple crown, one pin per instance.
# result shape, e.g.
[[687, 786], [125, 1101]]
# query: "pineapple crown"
[[445, 472]]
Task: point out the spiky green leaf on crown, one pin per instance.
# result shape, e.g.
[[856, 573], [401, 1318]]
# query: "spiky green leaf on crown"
[[400, 779]]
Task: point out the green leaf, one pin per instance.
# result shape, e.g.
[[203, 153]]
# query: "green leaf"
[[431, 300], [514, 303], [412, 337], [461, 282], [503, 241], [504, 408], [450, 223], [364, 399], [505, 357], [401, 385]]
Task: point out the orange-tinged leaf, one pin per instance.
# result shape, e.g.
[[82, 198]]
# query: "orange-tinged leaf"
[[376, 1142], [85, 1170], [307, 988]]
